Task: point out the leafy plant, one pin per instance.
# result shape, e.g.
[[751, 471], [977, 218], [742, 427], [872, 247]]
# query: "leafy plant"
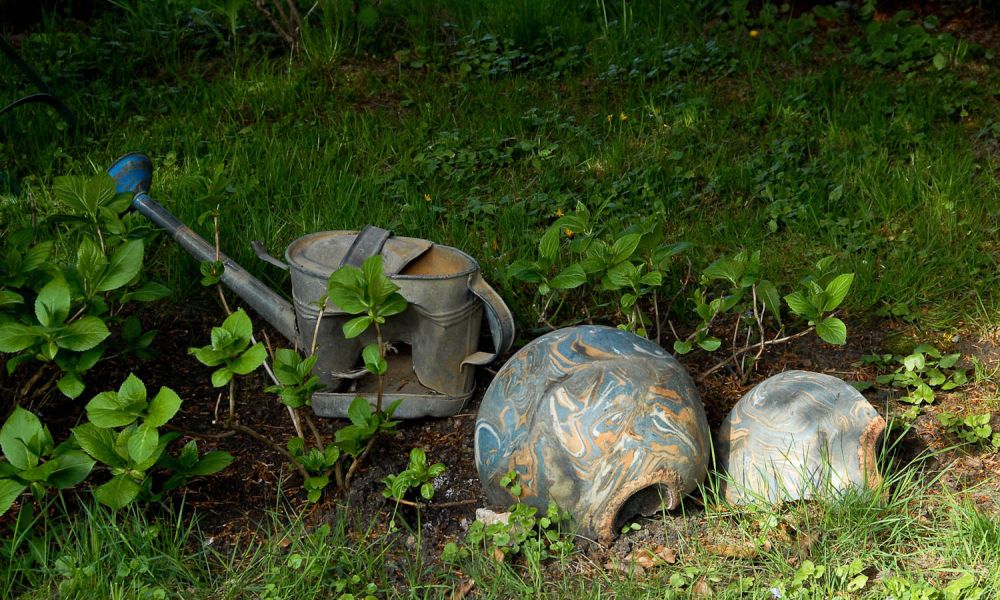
[[920, 372], [318, 462], [296, 383], [576, 250], [123, 433], [974, 429], [32, 460], [822, 293], [61, 313], [754, 302], [418, 474]]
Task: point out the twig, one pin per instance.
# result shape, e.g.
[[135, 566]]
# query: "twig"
[[754, 347], [198, 434], [438, 504], [277, 448]]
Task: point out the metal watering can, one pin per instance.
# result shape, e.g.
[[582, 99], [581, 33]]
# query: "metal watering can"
[[443, 286]]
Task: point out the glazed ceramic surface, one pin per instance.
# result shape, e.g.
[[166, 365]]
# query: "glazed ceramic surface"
[[797, 435], [602, 421]]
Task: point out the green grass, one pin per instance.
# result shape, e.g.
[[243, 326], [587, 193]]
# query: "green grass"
[[904, 530], [418, 123], [799, 153]]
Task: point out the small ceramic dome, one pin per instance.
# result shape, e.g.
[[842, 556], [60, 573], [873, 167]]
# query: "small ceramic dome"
[[798, 435], [602, 421]]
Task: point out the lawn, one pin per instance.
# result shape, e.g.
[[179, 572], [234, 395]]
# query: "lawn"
[[686, 170]]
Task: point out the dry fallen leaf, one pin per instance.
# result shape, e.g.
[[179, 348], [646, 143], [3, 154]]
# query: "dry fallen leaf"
[[647, 558], [463, 590], [701, 588]]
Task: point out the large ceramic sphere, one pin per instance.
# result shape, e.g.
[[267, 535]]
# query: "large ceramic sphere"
[[799, 435], [601, 421]]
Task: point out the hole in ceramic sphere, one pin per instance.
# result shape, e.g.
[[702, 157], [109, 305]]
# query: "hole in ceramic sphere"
[[645, 502]]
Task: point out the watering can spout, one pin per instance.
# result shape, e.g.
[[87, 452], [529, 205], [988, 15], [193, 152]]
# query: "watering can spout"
[[133, 173]]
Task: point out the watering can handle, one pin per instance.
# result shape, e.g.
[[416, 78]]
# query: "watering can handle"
[[261, 252], [499, 317]]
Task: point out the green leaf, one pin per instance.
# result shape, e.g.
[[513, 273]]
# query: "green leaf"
[[162, 407], [832, 330], [221, 377], [250, 360], [914, 362], [8, 298], [147, 292], [209, 357], [652, 279], [142, 443], [710, 344], [9, 491], [70, 385], [525, 271], [345, 287], [948, 361], [770, 298], [83, 335], [52, 303], [940, 61], [123, 267], [359, 412], [800, 305], [625, 246], [71, 468], [15, 337], [682, 347], [393, 305], [71, 190], [418, 459], [90, 260], [19, 434], [427, 491], [98, 443], [212, 462], [109, 409], [548, 245], [356, 326], [373, 360], [571, 277], [723, 268], [837, 290], [239, 325], [117, 493]]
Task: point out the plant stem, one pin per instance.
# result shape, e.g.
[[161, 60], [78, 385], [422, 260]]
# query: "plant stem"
[[315, 432], [319, 319], [338, 474], [357, 462], [379, 382], [232, 400]]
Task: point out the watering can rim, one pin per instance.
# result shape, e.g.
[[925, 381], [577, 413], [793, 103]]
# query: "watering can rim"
[[313, 267]]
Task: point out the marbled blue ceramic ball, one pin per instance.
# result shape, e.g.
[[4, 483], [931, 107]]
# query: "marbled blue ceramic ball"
[[601, 421], [797, 435]]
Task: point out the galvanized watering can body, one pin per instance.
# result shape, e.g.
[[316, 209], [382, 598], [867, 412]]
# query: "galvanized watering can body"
[[443, 286]]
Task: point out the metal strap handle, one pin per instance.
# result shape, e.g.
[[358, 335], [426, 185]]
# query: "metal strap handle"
[[368, 242], [499, 317]]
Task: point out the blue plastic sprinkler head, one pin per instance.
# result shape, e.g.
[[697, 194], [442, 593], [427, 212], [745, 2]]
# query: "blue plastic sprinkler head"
[[132, 173]]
